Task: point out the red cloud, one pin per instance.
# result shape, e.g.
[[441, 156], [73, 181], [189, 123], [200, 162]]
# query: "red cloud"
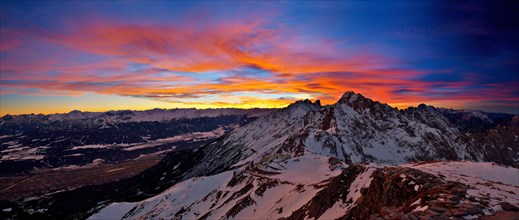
[[320, 68]]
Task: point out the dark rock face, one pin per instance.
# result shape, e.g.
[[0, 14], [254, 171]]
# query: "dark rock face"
[[390, 196], [336, 190], [508, 207], [499, 144]]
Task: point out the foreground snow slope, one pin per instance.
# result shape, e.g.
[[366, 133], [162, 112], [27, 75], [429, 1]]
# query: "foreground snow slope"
[[328, 190]]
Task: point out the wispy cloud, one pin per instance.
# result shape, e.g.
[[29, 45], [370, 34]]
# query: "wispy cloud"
[[209, 61]]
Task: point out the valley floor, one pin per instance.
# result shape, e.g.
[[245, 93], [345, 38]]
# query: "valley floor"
[[45, 181]]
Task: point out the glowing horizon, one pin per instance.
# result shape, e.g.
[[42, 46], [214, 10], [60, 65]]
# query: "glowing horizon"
[[118, 104], [57, 56]]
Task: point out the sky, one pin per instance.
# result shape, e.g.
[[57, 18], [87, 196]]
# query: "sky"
[[58, 56]]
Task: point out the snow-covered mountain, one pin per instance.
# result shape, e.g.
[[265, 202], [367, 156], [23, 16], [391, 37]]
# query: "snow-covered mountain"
[[308, 188], [79, 138], [357, 158], [136, 116], [310, 161], [357, 129]]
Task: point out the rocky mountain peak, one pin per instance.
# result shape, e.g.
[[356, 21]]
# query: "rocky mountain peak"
[[317, 102], [422, 105], [306, 104], [299, 108], [427, 109], [351, 96], [75, 112], [360, 103]]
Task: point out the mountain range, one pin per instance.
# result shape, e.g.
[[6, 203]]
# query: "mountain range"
[[355, 159], [38, 141]]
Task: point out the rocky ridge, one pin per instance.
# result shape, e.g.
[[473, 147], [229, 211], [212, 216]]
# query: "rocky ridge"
[[309, 153]]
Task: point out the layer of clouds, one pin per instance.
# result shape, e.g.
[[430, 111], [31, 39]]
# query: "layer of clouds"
[[210, 61]]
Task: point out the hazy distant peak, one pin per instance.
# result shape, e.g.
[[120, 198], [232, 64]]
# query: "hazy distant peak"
[[305, 103]]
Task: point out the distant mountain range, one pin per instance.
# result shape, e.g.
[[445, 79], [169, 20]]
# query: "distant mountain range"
[[78, 138], [355, 159]]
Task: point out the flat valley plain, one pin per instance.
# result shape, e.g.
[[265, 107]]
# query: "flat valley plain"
[[47, 181]]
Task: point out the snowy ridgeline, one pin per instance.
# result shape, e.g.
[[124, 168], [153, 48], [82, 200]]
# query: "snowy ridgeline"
[[256, 194], [309, 161], [77, 138], [286, 163], [356, 129], [158, 114]]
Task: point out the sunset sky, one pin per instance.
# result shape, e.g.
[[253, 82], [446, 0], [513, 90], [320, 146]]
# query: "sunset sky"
[[108, 55]]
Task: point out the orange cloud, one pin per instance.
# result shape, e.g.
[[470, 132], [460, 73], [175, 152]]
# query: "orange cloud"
[[178, 62]]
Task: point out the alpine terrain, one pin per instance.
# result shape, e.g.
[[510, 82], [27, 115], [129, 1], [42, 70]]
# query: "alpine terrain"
[[355, 159], [42, 154]]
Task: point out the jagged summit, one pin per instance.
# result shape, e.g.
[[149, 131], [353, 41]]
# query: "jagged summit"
[[301, 107], [349, 93], [317, 102], [306, 102], [425, 107], [360, 103], [350, 96]]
